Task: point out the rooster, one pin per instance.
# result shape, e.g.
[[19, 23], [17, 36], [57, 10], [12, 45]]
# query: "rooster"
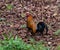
[[31, 25]]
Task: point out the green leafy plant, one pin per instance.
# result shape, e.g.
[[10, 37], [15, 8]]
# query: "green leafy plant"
[[9, 6], [58, 47], [23, 26], [57, 32], [11, 43], [32, 41]]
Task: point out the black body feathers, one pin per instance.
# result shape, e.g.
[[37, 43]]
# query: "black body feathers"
[[41, 26]]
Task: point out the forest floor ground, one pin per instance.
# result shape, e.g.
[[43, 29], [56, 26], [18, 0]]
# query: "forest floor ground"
[[13, 18]]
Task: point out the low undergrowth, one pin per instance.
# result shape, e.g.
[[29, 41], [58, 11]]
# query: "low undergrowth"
[[18, 44]]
